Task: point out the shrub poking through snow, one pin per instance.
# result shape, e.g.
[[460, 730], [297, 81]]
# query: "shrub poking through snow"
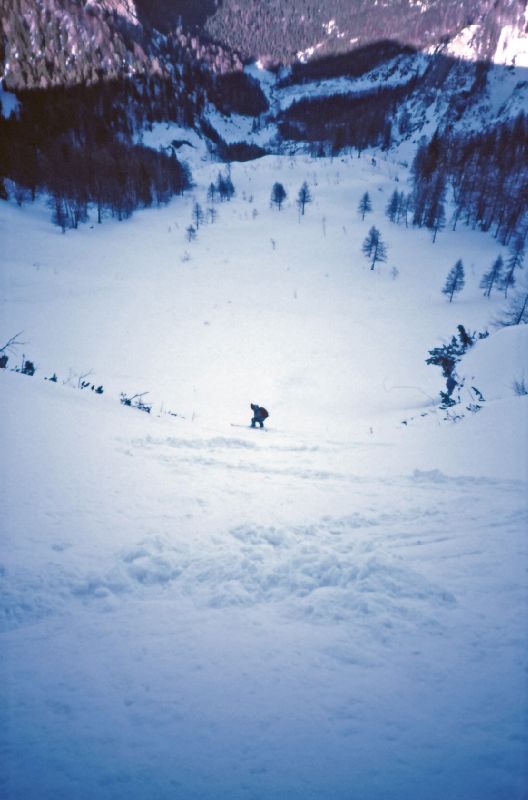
[[136, 401], [9, 347], [520, 388], [447, 356], [27, 367]]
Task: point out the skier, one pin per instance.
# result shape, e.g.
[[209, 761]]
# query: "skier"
[[259, 415]]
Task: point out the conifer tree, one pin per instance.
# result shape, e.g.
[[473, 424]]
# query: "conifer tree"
[[365, 206], [515, 261], [374, 248], [211, 192], [493, 277], [224, 186], [434, 217], [278, 195], [455, 280], [393, 206], [197, 215], [304, 197], [517, 312], [516, 257]]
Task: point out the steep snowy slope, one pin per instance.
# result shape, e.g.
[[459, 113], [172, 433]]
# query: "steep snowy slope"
[[219, 613], [333, 608], [263, 306]]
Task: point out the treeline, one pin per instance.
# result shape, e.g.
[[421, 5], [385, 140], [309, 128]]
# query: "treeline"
[[78, 145], [352, 120], [115, 178], [488, 174]]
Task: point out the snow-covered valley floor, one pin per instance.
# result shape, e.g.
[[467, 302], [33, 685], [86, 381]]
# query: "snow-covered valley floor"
[[333, 608]]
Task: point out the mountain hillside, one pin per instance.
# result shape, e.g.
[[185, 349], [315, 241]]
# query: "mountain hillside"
[[303, 29], [322, 210]]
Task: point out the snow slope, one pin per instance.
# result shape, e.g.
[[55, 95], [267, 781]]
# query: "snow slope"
[[332, 608], [219, 614], [264, 306]]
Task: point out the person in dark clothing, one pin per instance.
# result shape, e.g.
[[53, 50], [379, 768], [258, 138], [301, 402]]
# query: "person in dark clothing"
[[259, 415]]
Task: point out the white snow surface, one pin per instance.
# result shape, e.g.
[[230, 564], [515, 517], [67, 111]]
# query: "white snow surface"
[[333, 608], [8, 102]]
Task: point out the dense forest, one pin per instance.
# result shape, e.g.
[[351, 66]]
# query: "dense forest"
[[348, 120], [280, 29], [488, 174], [46, 43], [90, 77], [78, 145], [54, 42]]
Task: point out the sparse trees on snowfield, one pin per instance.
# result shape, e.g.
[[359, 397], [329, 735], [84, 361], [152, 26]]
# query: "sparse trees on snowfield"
[[365, 206], [374, 248], [455, 280], [304, 197], [278, 195]]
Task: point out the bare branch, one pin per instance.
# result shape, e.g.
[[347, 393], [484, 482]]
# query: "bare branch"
[[13, 343], [82, 377]]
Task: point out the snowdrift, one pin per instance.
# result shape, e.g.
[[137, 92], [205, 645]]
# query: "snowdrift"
[[493, 365]]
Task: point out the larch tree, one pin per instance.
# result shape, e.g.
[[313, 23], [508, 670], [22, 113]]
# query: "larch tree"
[[365, 205], [374, 248], [455, 280], [304, 197], [492, 277], [278, 195]]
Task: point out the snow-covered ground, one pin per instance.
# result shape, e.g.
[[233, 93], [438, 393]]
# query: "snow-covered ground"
[[332, 608]]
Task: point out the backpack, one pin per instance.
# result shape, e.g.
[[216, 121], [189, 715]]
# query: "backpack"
[[263, 413]]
